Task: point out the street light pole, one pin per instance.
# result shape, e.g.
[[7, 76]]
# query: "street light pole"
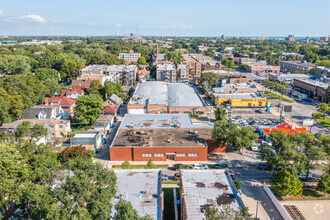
[[257, 210]]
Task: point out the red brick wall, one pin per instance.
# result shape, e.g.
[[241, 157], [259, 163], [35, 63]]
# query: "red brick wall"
[[202, 151], [211, 147], [121, 153], [135, 154]]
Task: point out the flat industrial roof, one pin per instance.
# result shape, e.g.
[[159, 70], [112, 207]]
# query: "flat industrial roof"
[[142, 188], [239, 95], [156, 121], [161, 137], [205, 188], [163, 93]]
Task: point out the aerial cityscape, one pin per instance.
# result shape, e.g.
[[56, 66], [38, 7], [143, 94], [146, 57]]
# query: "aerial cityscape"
[[180, 110]]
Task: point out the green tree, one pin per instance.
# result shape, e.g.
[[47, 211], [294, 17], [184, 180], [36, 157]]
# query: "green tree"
[[39, 131], [150, 164], [74, 152], [46, 73], [213, 213], [88, 108], [95, 85], [4, 111], [323, 108], [284, 183], [52, 86], [241, 138], [15, 64], [220, 113], [324, 183], [126, 165], [210, 78], [23, 129], [142, 61], [125, 211]]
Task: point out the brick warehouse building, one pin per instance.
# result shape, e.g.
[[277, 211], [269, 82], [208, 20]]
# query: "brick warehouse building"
[[160, 137], [155, 97]]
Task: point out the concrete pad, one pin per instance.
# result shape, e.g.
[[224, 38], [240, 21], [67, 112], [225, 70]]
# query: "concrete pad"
[[311, 209], [252, 205]]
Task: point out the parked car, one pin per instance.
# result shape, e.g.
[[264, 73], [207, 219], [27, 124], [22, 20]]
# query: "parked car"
[[177, 176], [164, 177], [199, 166], [179, 166], [262, 166], [302, 176], [261, 110], [219, 166], [238, 117]]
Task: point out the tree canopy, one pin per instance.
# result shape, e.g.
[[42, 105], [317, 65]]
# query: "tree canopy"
[[88, 108]]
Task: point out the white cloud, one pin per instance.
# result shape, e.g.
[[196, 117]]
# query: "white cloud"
[[118, 25], [1, 13], [34, 18]]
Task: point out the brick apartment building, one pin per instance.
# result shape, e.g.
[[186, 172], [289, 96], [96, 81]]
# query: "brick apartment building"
[[130, 58], [211, 65], [166, 72], [155, 97], [159, 137], [194, 67], [312, 88]]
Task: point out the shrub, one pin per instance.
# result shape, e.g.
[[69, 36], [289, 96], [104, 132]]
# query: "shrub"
[[74, 152], [150, 164], [238, 186], [126, 165]]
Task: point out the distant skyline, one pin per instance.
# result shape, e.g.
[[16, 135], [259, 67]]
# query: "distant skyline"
[[165, 18]]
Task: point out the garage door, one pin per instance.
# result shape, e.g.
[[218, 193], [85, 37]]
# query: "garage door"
[[137, 111]]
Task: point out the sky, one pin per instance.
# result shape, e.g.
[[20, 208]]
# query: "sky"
[[165, 18]]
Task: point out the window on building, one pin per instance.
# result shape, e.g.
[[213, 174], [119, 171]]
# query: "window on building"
[[187, 112], [159, 155], [181, 155], [260, 103], [175, 112], [193, 155], [199, 113], [146, 155], [61, 126]]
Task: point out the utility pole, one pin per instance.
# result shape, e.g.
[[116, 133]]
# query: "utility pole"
[[257, 210]]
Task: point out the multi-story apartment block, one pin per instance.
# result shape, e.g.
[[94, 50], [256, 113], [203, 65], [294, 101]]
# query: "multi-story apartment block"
[[326, 38], [183, 73], [300, 66], [166, 72], [322, 72], [194, 67], [211, 65], [130, 57]]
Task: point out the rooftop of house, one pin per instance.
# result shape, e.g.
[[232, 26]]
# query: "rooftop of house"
[[116, 99], [204, 188], [162, 93], [32, 113], [76, 90], [142, 188], [86, 134], [49, 122], [239, 95], [81, 82], [109, 109], [101, 124], [58, 100], [94, 68], [161, 137]]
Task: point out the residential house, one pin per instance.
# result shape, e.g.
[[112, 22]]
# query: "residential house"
[[66, 103], [72, 93], [43, 112], [143, 73]]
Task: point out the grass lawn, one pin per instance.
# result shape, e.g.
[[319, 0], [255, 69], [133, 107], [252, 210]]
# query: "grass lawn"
[[309, 193], [323, 121], [278, 97], [168, 204], [170, 182]]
